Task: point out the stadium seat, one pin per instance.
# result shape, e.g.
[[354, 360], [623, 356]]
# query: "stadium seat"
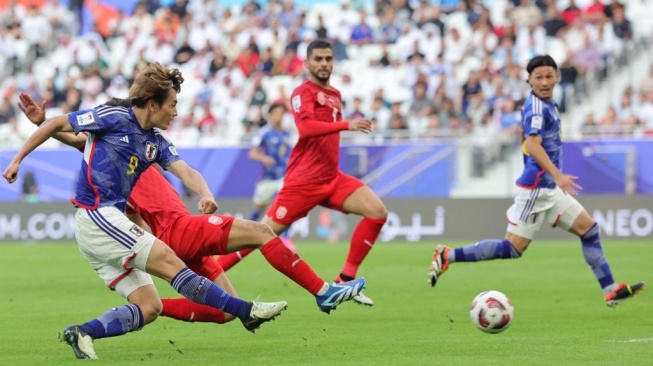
[[557, 49]]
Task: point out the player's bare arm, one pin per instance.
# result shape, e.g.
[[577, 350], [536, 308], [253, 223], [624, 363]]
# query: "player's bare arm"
[[36, 115], [194, 181], [47, 130], [564, 181], [257, 155]]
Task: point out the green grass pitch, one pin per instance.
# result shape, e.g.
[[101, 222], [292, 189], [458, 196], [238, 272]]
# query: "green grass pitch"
[[560, 316]]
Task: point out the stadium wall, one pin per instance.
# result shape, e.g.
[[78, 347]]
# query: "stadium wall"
[[396, 170], [408, 220]]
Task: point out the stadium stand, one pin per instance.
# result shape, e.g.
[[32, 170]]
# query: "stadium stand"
[[421, 69]]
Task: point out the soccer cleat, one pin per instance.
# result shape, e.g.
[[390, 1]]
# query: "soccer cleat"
[[81, 343], [440, 263], [338, 293], [361, 298], [263, 312], [623, 292]]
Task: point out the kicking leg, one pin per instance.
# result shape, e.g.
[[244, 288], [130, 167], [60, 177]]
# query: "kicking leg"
[[511, 247], [247, 234], [186, 310], [163, 263]]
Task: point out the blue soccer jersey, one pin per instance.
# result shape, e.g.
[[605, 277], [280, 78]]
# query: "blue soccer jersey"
[[117, 151], [541, 118], [274, 143]]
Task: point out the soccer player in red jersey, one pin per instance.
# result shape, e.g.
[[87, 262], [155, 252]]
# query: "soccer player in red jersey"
[[313, 176], [155, 205]]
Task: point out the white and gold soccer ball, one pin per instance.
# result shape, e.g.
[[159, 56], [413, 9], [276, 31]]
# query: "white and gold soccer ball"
[[491, 311]]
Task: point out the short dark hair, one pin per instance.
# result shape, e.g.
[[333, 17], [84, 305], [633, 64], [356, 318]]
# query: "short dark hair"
[[274, 106], [539, 61], [318, 43]]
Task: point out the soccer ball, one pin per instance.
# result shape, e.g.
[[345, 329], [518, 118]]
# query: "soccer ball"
[[491, 312]]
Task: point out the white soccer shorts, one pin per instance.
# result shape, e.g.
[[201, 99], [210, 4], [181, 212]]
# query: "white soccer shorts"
[[116, 248], [534, 206], [265, 191]]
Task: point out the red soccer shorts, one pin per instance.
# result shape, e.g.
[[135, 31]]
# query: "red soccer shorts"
[[195, 239], [294, 201]]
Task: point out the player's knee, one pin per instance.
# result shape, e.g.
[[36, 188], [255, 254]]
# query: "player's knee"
[[150, 309], [151, 312], [265, 233], [379, 212]]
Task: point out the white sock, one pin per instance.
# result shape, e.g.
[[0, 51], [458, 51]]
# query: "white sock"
[[609, 288], [323, 290]]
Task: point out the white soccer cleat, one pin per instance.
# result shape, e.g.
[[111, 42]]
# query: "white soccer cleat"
[[263, 312], [81, 343], [363, 300]]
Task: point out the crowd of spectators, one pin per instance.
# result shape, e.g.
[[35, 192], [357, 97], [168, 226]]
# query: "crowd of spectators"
[[419, 69], [632, 116]]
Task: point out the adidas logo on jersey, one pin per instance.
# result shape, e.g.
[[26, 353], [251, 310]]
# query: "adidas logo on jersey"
[[125, 139]]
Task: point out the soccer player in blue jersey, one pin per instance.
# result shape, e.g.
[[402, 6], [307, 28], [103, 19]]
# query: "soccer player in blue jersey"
[[271, 147], [122, 143], [544, 193]]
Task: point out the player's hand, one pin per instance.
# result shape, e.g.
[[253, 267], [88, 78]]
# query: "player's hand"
[[11, 173], [567, 184], [32, 110], [268, 161], [207, 205], [360, 124]]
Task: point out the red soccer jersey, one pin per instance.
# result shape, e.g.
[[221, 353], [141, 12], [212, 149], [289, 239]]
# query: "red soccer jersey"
[[154, 198], [315, 159]]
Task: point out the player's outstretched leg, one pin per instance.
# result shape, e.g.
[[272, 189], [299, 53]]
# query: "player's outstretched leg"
[[201, 290], [81, 343], [622, 293], [328, 296], [263, 312], [338, 293], [483, 250]]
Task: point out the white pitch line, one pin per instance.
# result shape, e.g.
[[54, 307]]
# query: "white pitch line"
[[635, 340]]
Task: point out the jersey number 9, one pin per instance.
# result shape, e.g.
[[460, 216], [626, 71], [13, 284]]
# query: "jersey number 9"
[[133, 164]]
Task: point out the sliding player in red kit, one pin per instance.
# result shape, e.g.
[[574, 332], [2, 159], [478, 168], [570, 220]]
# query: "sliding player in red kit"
[[155, 205], [313, 176]]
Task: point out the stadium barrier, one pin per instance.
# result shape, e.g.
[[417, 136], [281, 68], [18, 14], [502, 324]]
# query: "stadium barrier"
[[408, 220]]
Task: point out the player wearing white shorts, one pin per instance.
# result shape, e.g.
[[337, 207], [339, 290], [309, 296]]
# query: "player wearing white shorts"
[[122, 143], [544, 194]]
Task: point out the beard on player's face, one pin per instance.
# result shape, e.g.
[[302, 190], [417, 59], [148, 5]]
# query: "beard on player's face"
[[324, 79]]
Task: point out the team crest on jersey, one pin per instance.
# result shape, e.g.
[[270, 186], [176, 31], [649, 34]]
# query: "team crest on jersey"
[[296, 103], [215, 220], [321, 98], [150, 151], [136, 230], [85, 119], [281, 212]]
